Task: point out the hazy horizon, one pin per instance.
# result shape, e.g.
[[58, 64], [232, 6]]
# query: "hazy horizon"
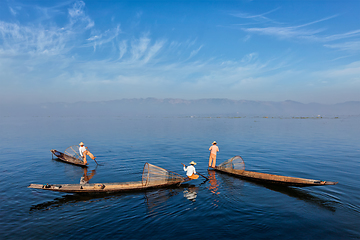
[[180, 107]]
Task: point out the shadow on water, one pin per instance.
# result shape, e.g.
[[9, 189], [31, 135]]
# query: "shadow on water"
[[301, 195], [289, 191]]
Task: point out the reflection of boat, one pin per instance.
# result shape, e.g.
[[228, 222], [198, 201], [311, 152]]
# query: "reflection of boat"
[[71, 155], [66, 199], [152, 177], [235, 166], [302, 195]]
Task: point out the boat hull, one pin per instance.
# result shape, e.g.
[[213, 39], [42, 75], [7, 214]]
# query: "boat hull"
[[274, 179], [101, 187], [67, 158]]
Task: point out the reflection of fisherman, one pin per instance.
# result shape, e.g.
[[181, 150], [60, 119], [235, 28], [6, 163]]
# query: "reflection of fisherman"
[[213, 183], [85, 178], [213, 151], [190, 171], [85, 151], [190, 194]]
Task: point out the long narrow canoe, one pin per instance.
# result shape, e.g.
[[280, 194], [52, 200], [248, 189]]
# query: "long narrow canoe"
[[235, 166], [100, 187], [71, 156], [152, 177]]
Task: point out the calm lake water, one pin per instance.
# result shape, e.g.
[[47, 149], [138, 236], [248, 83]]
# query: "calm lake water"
[[223, 208]]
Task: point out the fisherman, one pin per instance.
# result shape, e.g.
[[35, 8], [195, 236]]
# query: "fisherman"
[[190, 171], [213, 151], [85, 151]]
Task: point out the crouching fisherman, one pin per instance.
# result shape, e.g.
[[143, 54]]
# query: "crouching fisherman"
[[190, 171], [84, 151]]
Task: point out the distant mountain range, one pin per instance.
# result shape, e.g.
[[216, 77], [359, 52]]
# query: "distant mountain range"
[[181, 107]]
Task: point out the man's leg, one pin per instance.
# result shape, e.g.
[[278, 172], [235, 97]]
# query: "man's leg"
[[84, 158], [214, 161], [89, 154], [210, 158]]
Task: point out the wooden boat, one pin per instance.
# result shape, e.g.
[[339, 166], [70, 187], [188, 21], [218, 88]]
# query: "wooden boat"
[[235, 166], [152, 177], [71, 156]]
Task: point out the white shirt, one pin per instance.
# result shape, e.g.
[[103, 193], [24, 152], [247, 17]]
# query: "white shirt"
[[190, 170], [81, 150]]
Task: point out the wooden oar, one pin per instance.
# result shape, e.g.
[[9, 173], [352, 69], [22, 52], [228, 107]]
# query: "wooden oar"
[[198, 173]]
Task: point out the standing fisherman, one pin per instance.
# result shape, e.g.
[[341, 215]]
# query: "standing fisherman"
[[190, 171], [213, 151], [85, 151]]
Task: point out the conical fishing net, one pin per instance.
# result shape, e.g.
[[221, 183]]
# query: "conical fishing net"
[[73, 151], [236, 163], [153, 175]]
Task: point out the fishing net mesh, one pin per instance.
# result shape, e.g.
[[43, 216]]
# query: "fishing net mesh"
[[73, 151], [153, 175], [236, 163]]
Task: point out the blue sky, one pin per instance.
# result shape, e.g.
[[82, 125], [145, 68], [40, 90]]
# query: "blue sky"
[[68, 51]]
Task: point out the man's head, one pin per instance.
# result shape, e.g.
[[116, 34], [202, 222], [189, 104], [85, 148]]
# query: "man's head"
[[81, 144], [214, 142], [193, 163]]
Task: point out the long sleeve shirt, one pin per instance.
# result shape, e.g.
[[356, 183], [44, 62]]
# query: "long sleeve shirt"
[[214, 149], [81, 150], [190, 170]]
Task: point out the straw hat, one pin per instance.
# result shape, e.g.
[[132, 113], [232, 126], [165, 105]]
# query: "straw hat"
[[214, 142], [81, 144], [193, 163]]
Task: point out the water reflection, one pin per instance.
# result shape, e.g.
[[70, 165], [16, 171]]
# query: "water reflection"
[[67, 199], [86, 178], [191, 193], [302, 195], [213, 182], [155, 199], [289, 191]]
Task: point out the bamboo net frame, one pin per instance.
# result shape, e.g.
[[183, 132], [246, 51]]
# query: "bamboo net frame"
[[154, 175], [73, 151], [236, 163]]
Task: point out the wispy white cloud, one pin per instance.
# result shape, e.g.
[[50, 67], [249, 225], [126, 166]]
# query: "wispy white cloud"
[[301, 32], [334, 37], [345, 73], [256, 17], [353, 46], [103, 38], [31, 40], [246, 38], [249, 57], [122, 48], [12, 11], [77, 14], [138, 47], [284, 32], [153, 50], [194, 52]]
